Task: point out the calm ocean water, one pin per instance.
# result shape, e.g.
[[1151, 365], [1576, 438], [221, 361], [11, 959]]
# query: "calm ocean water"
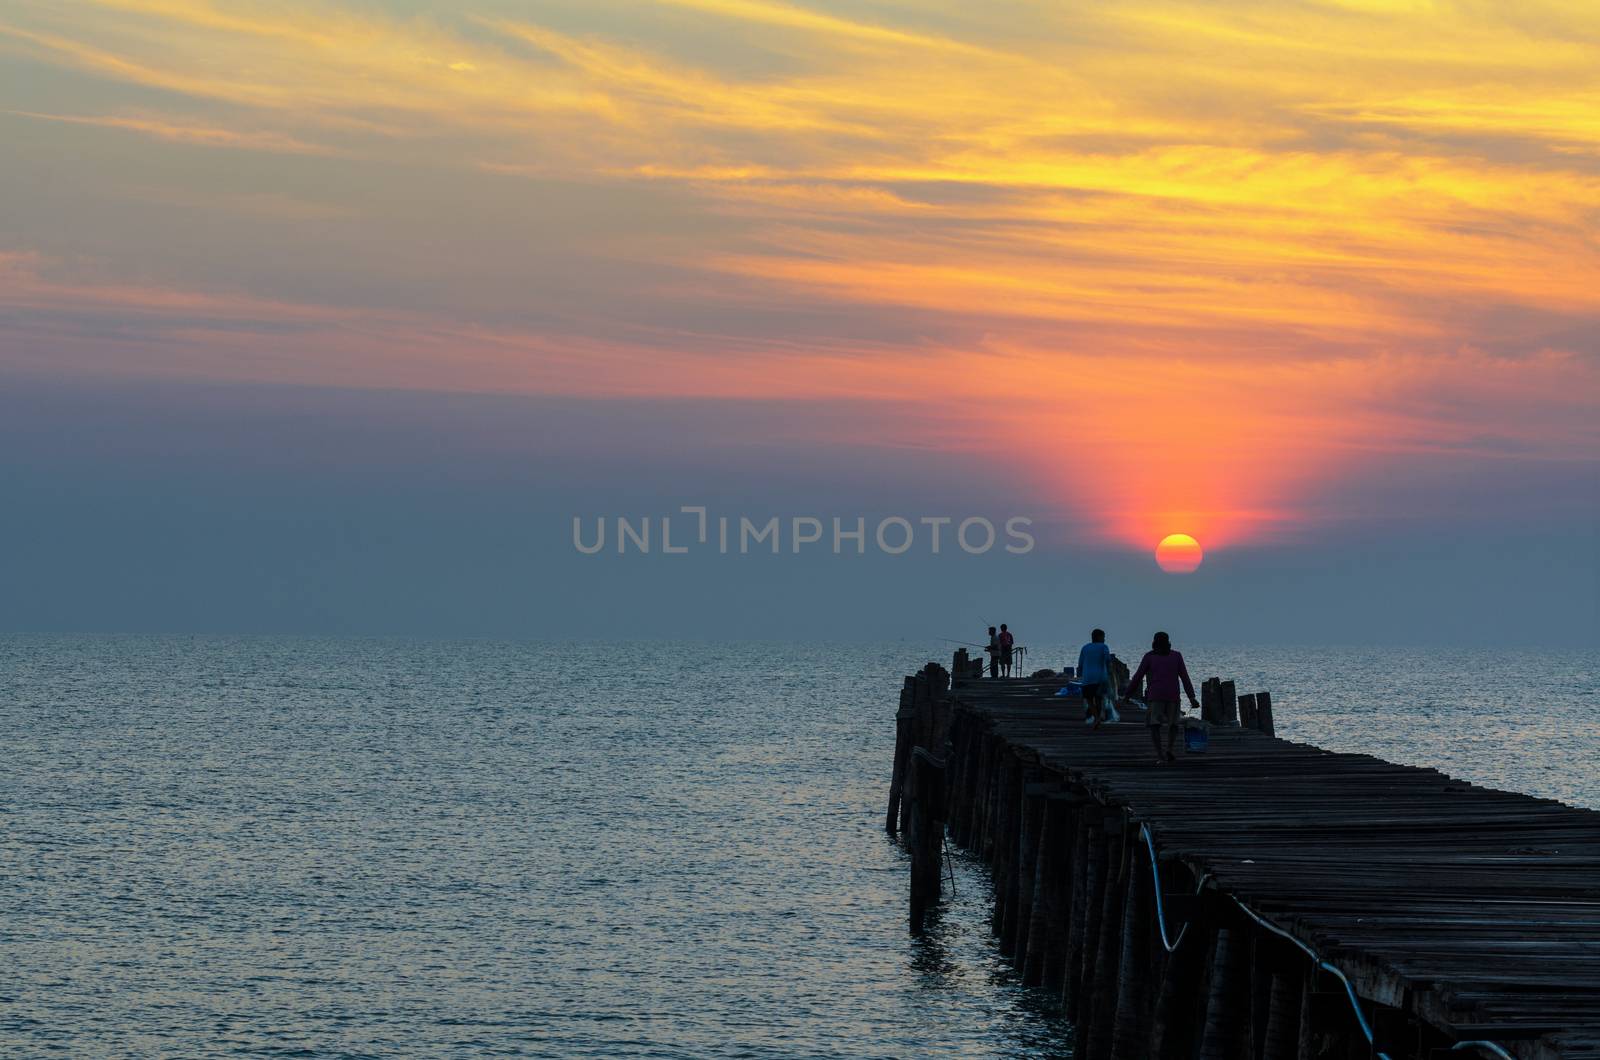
[[308, 847]]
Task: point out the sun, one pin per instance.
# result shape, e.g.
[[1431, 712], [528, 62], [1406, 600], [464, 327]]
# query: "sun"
[[1178, 554]]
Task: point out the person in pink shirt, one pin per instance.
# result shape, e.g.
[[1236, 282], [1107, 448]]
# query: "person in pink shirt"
[[1162, 668]]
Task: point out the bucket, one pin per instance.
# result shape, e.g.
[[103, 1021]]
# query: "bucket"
[[1196, 736]]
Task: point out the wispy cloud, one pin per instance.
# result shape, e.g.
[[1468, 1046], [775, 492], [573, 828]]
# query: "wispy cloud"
[[185, 132]]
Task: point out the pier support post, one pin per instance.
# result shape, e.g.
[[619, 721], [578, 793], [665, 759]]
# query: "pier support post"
[[1007, 836], [1131, 1029], [1030, 826], [1264, 713], [1224, 1035], [958, 780], [904, 739], [1085, 869], [925, 835], [1096, 1021], [1281, 1038], [1052, 896], [1180, 998], [996, 755]]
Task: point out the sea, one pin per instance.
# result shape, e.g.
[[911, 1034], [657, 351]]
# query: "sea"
[[303, 847]]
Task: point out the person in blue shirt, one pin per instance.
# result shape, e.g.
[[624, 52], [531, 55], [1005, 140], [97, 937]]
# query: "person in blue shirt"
[[1094, 672]]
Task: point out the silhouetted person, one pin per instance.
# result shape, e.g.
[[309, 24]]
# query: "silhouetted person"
[[994, 653], [1164, 668], [1094, 673], [1007, 642]]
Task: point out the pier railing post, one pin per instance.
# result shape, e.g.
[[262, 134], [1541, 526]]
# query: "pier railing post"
[[1264, 713]]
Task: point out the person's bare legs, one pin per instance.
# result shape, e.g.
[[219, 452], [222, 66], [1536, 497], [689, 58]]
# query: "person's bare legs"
[[1155, 738], [1172, 738]]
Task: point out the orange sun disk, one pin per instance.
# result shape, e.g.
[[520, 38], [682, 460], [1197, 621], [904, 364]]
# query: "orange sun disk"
[[1178, 554]]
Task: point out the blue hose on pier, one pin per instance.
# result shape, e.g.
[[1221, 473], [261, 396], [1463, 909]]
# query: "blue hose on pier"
[[1350, 991], [1161, 913], [1488, 1047]]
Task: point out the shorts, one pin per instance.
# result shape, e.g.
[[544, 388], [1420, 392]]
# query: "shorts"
[[1162, 712]]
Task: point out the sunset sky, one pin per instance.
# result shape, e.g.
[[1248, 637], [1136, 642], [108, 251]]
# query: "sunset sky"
[[330, 317]]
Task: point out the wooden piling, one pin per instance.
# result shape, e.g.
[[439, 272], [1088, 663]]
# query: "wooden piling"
[[925, 835], [1137, 963], [1099, 867], [1227, 703], [904, 740], [1174, 1031], [1280, 1037], [1052, 891], [1264, 713], [1101, 993], [1223, 1036], [1031, 825], [1008, 854], [1086, 866]]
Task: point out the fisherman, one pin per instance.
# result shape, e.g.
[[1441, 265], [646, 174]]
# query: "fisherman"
[[1164, 667], [994, 653], [1007, 642], [1094, 673]]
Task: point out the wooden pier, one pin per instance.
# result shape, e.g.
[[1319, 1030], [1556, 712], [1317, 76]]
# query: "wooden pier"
[[1264, 900]]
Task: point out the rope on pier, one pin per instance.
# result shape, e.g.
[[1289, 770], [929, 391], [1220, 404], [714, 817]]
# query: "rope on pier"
[[1355, 1002]]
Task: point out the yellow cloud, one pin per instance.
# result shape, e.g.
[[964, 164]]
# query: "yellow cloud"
[[791, 17]]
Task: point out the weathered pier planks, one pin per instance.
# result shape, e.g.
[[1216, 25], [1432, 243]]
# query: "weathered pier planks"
[[1265, 900]]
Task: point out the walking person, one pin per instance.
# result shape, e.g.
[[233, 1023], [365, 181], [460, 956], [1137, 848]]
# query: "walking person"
[[1007, 642], [994, 653], [1094, 673], [1164, 669]]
